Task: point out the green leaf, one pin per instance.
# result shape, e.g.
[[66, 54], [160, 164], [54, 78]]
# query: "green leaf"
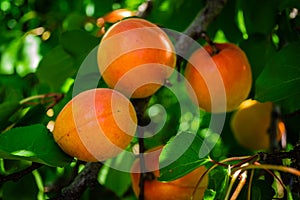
[[259, 16], [35, 115], [289, 4], [181, 156], [78, 43], [218, 181], [209, 195], [15, 82], [260, 190], [227, 23], [280, 80], [33, 143], [169, 13], [7, 109], [118, 187], [162, 130], [24, 189], [258, 49], [56, 67], [74, 20]]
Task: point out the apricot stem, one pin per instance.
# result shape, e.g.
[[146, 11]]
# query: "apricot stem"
[[53, 98], [213, 46]]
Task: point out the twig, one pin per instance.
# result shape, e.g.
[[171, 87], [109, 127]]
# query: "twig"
[[144, 9], [199, 25], [212, 9], [140, 106], [271, 157], [87, 178], [18, 175]]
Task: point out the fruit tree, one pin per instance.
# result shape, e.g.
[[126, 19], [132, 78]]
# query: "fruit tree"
[[149, 99]]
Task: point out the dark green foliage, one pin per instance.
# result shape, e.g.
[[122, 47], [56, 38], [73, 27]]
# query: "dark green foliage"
[[50, 48]]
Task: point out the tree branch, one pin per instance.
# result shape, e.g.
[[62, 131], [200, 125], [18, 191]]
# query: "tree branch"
[[87, 178], [144, 9], [18, 175], [212, 9]]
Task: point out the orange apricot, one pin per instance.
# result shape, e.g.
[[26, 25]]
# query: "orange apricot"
[[179, 189], [234, 69], [95, 125], [117, 15], [250, 124], [135, 57]]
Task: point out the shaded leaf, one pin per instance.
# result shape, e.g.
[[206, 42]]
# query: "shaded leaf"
[[34, 115], [260, 190], [33, 143], [280, 79], [258, 49], [78, 43], [111, 175], [56, 67], [24, 189], [218, 180], [289, 4], [7, 109], [259, 16], [181, 156]]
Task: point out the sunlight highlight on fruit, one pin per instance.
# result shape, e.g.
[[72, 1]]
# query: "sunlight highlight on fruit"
[[95, 125], [135, 57]]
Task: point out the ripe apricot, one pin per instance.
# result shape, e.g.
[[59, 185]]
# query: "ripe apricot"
[[232, 65], [135, 57], [117, 15], [250, 124], [179, 189], [95, 125]]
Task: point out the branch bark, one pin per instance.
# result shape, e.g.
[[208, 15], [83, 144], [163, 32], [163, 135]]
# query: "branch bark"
[[87, 178], [18, 175], [212, 9]]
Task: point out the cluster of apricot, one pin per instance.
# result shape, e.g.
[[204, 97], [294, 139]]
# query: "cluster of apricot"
[[135, 58]]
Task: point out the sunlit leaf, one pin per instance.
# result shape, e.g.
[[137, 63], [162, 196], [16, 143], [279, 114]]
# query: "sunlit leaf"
[[111, 175], [33, 143], [181, 156]]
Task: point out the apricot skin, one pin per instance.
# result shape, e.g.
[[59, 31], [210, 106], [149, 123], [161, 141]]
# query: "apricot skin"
[[95, 125], [136, 56], [250, 124], [179, 189], [234, 68]]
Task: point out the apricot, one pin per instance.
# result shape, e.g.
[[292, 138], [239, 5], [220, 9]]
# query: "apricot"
[[250, 124], [179, 189], [95, 125], [235, 71], [135, 57], [117, 15]]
